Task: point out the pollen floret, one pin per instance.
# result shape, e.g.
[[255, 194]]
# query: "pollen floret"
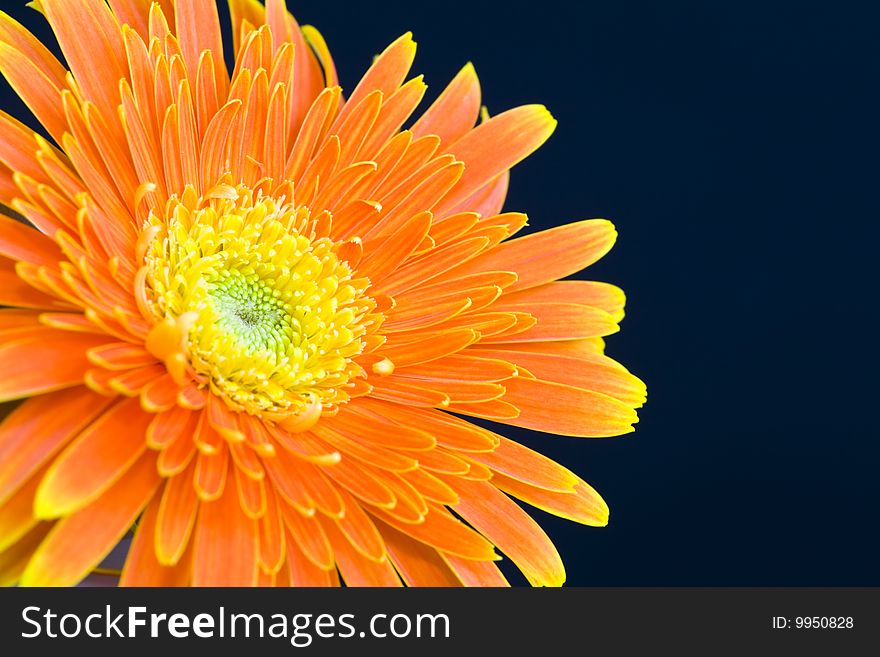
[[274, 316]]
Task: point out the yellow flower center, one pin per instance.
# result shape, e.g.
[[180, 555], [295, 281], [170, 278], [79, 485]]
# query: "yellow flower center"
[[272, 318]]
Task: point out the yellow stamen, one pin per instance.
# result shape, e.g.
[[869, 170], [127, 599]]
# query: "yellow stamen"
[[305, 420], [258, 309], [384, 367]]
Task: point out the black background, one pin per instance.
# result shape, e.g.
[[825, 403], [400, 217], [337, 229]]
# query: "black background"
[[735, 147]]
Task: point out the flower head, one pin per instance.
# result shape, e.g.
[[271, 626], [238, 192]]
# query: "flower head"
[[247, 315], [243, 291]]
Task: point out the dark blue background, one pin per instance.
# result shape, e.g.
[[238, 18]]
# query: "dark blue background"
[[735, 146]]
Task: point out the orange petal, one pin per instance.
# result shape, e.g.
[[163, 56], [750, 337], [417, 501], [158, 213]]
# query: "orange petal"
[[336, 191], [80, 541], [223, 419], [609, 298], [386, 253], [420, 192], [301, 445], [511, 222], [411, 315], [302, 572], [456, 109], [69, 21], [464, 367], [411, 508], [273, 546], [601, 375], [558, 321], [40, 91], [97, 458], [211, 474], [452, 227], [38, 428], [62, 359], [192, 397], [427, 349], [583, 504], [208, 91], [141, 566], [395, 110], [307, 72], [322, 52], [399, 391], [550, 254], [22, 40], [430, 487], [250, 14], [448, 431], [138, 126], [418, 564], [488, 200], [498, 410], [368, 419], [348, 444], [477, 471], [495, 146], [251, 494], [284, 473], [525, 465], [357, 570], [562, 409], [225, 544], [15, 292], [405, 163], [217, 141], [442, 531], [386, 74], [316, 122], [320, 168], [439, 261], [14, 320], [512, 530], [120, 356], [207, 439], [475, 573], [310, 535], [247, 460], [588, 348], [175, 517], [136, 13], [14, 560], [440, 460], [160, 395], [20, 242], [106, 137], [357, 124], [360, 530], [176, 455], [456, 391], [360, 483], [16, 513], [323, 494], [165, 427], [198, 30], [69, 322]]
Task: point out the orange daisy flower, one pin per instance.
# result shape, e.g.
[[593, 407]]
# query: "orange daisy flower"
[[248, 315]]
